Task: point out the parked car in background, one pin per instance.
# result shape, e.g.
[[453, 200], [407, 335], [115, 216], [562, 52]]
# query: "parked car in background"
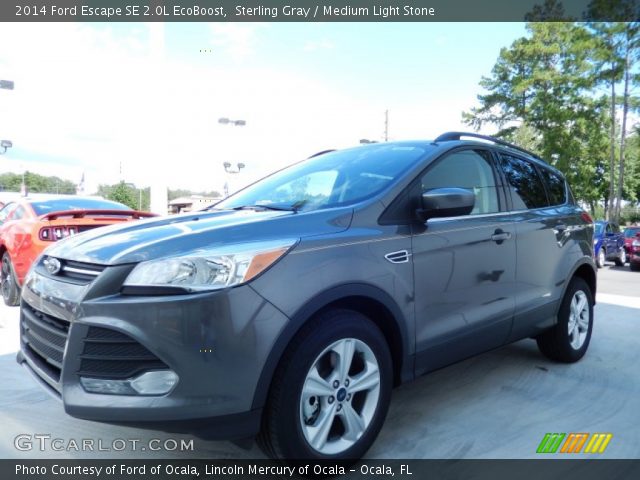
[[30, 224], [634, 252], [608, 244], [629, 236], [291, 309]]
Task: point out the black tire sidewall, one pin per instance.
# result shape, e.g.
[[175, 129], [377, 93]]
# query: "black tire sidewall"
[[332, 326], [13, 296]]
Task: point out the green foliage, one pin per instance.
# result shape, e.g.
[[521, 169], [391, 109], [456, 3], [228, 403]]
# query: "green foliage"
[[544, 93], [12, 182], [127, 194]]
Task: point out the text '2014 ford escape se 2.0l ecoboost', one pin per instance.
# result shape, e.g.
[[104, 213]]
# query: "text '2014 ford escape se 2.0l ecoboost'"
[[291, 309]]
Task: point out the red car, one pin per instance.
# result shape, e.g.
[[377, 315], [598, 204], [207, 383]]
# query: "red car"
[[30, 224], [634, 249], [629, 236]]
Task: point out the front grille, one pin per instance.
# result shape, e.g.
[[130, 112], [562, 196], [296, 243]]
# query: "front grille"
[[115, 355], [44, 337], [84, 272]]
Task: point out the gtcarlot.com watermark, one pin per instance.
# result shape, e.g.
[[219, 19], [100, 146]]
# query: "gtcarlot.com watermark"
[[45, 442]]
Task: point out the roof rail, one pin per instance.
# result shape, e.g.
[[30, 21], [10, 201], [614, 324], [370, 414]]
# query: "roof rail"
[[321, 153], [448, 136]]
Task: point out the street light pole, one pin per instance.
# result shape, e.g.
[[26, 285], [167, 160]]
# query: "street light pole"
[[227, 165], [5, 144]]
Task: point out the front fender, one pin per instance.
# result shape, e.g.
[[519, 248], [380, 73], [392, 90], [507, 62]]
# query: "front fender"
[[316, 304]]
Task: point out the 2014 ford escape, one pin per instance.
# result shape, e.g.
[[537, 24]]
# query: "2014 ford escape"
[[291, 309]]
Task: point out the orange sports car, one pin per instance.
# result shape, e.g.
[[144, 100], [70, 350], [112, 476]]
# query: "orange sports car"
[[30, 224]]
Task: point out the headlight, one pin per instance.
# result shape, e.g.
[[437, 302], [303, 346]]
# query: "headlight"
[[210, 269]]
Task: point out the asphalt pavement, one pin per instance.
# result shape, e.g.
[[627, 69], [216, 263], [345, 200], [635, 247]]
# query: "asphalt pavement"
[[497, 405]]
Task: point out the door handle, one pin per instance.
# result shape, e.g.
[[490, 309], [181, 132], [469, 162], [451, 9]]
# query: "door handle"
[[500, 236]]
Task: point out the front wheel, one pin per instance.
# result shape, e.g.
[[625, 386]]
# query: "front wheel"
[[568, 341], [602, 256], [621, 259], [331, 392], [8, 283]]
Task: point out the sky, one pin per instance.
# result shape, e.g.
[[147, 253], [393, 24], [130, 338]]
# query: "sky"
[[140, 102]]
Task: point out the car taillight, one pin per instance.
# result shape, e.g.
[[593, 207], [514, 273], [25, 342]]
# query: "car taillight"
[[52, 234], [586, 217]]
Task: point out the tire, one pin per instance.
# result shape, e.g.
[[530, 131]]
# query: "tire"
[[602, 256], [309, 385], [621, 259], [569, 339], [634, 266], [8, 283]]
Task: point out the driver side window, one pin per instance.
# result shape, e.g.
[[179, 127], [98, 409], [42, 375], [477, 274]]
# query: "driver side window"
[[469, 169]]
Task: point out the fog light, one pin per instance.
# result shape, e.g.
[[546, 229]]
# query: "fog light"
[[156, 382], [109, 387]]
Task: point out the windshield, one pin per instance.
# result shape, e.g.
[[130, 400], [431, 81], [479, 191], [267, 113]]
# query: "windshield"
[[631, 232], [62, 204], [599, 228], [330, 180]]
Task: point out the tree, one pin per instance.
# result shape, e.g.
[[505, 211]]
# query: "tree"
[[541, 86], [120, 192], [619, 54], [35, 183]]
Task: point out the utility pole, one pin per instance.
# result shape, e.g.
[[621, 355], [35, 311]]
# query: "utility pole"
[[386, 125]]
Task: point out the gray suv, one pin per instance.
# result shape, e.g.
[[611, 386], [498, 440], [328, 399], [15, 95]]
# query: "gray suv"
[[290, 310]]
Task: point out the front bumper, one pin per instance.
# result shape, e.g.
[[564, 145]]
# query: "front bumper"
[[217, 344]]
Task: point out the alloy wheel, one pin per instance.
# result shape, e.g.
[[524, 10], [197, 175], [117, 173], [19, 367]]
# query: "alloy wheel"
[[578, 325], [339, 396]]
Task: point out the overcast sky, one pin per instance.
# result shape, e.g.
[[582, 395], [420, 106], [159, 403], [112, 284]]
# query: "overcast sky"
[[146, 98]]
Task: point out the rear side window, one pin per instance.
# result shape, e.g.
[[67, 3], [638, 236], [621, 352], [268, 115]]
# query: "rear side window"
[[555, 187], [527, 189]]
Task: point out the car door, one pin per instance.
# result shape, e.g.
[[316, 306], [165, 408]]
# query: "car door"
[[612, 236], [542, 254], [464, 267]]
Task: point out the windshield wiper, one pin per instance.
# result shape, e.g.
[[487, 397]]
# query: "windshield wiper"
[[294, 207]]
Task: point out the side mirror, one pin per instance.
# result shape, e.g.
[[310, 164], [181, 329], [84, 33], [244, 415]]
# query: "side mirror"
[[446, 202]]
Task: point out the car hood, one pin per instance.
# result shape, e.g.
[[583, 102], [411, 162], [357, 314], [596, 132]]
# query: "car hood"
[[180, 234]]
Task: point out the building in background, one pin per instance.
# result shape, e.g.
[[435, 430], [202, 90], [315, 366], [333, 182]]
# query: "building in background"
[[191, 203]]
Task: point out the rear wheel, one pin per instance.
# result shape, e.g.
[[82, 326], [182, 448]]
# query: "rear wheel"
[[569, 339], [621, 259], [8, 283], [330, 395], [634, 266]]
